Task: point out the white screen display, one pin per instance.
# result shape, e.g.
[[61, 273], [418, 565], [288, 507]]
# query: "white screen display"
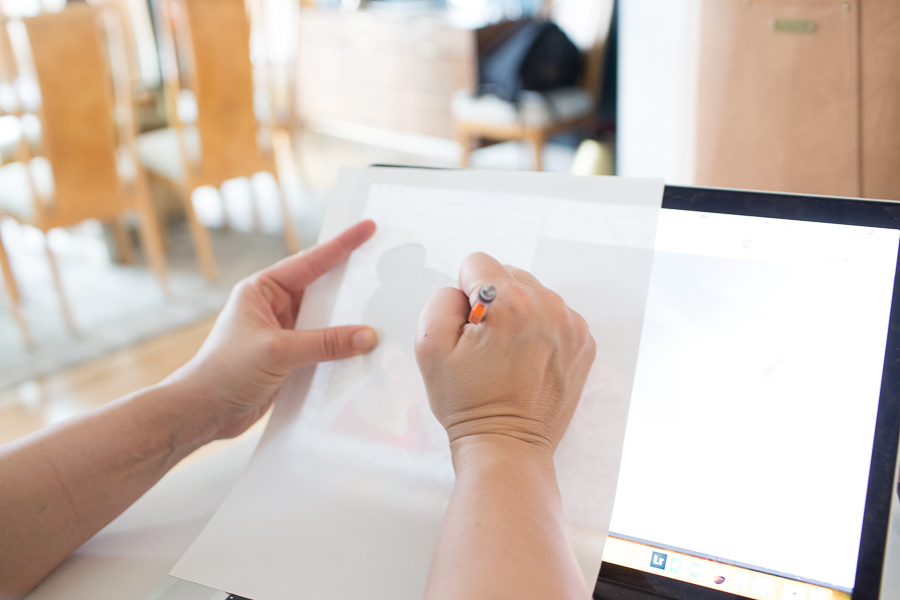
[[756, 390]]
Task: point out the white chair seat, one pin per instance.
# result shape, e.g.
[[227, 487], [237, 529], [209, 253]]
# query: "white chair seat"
[[15, 189], [10, 136], [12, 128], [160, 152], [534, 109]]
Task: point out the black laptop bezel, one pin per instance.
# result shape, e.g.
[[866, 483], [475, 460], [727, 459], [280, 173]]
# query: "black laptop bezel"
[[617, 582]]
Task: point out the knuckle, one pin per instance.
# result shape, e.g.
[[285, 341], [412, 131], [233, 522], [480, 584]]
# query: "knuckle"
[[273, 349], [330, 343], [520, 301], [557, 304], [246, 284], [314, 269], [586, 344], [554, 308], [589, 340], [470, 260], [580, 323], [475, 256], [582, 329]]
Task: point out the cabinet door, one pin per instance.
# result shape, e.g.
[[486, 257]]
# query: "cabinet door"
[[778, 104], [880, 96]]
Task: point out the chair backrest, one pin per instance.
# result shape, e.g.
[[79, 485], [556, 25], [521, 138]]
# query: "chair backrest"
[[79, 133], [223, 80]]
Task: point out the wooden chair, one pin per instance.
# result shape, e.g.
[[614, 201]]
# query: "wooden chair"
[[11, 109], [536, 117], [81, 140], [210, 41]]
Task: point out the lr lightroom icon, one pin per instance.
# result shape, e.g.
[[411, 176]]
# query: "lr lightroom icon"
[[658, 560]]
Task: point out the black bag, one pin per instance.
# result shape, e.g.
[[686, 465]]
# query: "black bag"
[[537, 56]]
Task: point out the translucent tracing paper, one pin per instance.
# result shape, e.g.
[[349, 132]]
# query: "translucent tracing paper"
[[345, 495]]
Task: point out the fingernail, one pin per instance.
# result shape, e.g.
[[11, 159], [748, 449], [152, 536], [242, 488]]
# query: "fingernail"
[[364, 340]]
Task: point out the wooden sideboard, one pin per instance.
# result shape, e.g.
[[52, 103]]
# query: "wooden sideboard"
[[800, 96], [386, 70]]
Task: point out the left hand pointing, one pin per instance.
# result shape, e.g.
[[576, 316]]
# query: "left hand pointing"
[[253, 345]]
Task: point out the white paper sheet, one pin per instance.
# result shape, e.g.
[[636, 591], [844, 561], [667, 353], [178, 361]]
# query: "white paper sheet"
[[345, 495]]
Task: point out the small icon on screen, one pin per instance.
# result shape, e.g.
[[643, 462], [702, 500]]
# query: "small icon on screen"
[[695, 570], [675, 564], [793, 592], [742, 580], [748, 243], [658, 560], [763, 586]]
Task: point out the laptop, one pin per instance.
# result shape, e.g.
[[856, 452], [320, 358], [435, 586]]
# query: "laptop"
[[760, 455]]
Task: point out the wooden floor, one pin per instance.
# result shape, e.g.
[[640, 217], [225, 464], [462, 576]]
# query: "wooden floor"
[[36, 404]]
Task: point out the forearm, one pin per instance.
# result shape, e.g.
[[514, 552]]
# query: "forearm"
[[503, 535], [60, 486]]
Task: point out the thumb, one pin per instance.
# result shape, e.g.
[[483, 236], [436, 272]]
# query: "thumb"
[[309, 346]]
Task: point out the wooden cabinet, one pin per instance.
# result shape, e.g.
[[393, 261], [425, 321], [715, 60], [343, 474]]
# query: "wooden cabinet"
[[386, 71], [880, 98], [800, 96]]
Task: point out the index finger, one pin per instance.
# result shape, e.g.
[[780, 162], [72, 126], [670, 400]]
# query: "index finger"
[[296, 272], [479, 269]]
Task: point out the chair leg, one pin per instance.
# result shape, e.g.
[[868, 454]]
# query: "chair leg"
[[14, 298], [226, 218], [537, 142], [200, 236], [123, 242], [465, 142], [291, 241], [151, 239], [60, 291], [254, 208], [284, 169], [302, 173], [8, 277], [24, 330]]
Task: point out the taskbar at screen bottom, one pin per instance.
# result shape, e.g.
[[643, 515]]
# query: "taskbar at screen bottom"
[[711, 574]]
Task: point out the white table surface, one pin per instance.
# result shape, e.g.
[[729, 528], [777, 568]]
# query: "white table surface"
[[134, 553]]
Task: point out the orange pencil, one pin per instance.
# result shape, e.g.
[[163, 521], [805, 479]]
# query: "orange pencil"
[[486, 295]]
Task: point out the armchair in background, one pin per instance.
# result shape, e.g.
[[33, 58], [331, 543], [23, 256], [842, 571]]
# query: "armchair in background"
[[536, 116]]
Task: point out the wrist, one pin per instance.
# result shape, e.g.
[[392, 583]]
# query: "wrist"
[[475, 452], [188, 412]]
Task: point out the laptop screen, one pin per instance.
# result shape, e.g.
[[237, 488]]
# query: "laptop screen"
[[747, 453]]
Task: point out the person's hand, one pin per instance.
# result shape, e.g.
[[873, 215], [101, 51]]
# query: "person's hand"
[[253, 346], [518, 375]]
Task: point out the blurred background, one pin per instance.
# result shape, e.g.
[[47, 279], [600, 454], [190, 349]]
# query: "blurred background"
[[155, 152]]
